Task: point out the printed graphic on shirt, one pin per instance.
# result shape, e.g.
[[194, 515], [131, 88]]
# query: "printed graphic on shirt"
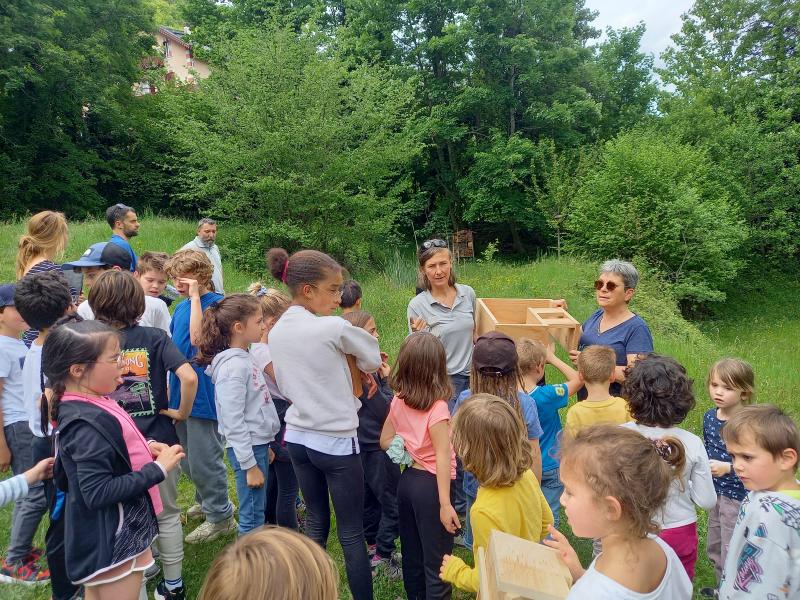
[[560, 390], [748, 570], [135, 394]]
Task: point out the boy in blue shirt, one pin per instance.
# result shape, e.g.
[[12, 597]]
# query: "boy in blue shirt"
[[191, 272], [533, 356]]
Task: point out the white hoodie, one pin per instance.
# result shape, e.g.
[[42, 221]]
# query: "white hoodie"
[[245, 412]]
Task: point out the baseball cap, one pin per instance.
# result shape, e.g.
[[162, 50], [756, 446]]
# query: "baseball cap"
[[495, 354], [100, 255], [7, 294]]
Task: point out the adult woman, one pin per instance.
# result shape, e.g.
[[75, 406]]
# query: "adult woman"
[[614, 324], [46, 239]]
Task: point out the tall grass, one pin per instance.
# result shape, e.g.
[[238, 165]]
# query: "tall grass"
[[757, 324]]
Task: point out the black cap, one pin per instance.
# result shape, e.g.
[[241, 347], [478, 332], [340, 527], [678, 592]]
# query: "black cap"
[[495, 354]]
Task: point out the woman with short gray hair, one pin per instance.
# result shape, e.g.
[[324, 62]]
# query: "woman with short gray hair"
[[614, 324]]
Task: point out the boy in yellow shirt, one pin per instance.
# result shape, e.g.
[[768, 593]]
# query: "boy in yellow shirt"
[[492, 440], [596, 369]]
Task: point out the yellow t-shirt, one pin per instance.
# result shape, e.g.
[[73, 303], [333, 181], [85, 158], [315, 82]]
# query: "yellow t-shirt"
[[591, 412], [520, 509]]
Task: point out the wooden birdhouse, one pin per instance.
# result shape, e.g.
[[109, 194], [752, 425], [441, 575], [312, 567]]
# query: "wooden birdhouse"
[[535, 318]]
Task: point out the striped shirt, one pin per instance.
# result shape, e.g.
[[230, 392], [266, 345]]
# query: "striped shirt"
[[13, 489], [43, 267]]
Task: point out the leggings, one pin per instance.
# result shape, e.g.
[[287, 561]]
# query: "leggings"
[[342, 477], [282, 495]]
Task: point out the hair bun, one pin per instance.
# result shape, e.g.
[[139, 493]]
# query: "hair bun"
[[277, 259]]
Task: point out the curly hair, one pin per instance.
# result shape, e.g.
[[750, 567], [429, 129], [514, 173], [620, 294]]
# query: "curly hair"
[[190, 263], [658, 391]]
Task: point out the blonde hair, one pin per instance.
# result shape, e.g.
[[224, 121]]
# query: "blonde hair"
[[622, 463], [771, 428], [531, 354], [273, 302], [152, 261], [736, 374], [272, 563], [190, 262], [596, 364], [47, 235], [491, 439]]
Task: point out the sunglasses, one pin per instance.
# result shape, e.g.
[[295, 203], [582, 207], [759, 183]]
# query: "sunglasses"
[[427, 245], [610, 285]]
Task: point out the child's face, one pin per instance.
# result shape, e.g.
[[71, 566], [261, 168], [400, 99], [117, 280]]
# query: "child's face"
[[722, 395], [324, 297], [182, 287], [153, 282], [11, 320], [104, 375], [90, 275], [252, 328], [371, 328], [756, 467], [585, 514]]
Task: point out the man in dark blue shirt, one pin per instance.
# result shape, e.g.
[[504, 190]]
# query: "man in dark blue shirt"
[[124, 224]]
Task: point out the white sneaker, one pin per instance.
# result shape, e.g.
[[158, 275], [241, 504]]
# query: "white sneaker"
[[195, 511], [208, 531]]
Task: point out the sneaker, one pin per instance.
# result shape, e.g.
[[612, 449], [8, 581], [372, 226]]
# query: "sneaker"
[[709, 592], [35, 554], [393, 569], [376, 560], [152, 571], [372, 549], [26, 573], [208, 531], [162, 593], [195, 511]]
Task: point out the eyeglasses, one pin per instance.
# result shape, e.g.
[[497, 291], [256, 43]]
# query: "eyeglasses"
[[338, 292], [609, 285], [118, 360], [436, 243]]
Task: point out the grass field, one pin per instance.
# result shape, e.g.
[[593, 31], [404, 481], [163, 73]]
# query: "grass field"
[[757, 324]]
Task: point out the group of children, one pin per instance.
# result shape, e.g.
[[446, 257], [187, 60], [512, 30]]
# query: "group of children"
[[101, 411]]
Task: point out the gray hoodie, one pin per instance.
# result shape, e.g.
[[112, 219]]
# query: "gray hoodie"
[[245, 412]]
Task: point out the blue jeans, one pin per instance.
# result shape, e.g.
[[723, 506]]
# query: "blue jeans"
[[552, 488], [460, 383], [467, 529], [252, 501]]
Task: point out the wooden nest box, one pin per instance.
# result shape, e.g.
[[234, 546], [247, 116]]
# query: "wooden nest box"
[[515, 569], [463, 244], [534, 318]]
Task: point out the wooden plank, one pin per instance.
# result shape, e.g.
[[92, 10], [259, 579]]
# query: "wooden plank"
[[355, 375]]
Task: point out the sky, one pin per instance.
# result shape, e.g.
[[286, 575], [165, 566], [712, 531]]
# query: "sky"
[[661, 17]]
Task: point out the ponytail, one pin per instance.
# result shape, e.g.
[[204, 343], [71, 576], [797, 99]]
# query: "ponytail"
[[218, 321]]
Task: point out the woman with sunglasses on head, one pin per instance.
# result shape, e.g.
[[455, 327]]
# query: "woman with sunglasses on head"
[[614, 324]]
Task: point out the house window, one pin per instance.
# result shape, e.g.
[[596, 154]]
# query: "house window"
[[167, 49]]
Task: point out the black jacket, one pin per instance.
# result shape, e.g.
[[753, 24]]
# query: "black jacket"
[[94, 469], [372, 414]]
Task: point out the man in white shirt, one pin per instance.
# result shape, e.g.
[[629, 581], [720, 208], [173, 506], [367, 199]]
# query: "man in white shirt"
[[206, 242]]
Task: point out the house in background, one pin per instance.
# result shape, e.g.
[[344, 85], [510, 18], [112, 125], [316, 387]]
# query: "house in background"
[[177, 58]]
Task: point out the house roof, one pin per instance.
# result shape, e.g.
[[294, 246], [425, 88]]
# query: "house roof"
[[176, 35]]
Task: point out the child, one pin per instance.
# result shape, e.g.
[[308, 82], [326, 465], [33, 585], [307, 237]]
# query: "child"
[[420, 417], [42, 299], [659, 397], [351, 297], [191, 270], [533, 356], [97, 259], [16, 449], [103, 463], [151, 275], [282, 484], [492, 440], [615, 481], [309, 354], [272, 563], [730, 386], [17, 487], [596, 366], [495, 371], [247, 418], [762, 558], [147, 354], [380, 473]]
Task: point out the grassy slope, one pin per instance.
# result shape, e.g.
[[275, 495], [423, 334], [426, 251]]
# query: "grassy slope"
[[754, 326]]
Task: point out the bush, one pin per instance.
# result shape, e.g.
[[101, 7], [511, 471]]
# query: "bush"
[[659, 200]]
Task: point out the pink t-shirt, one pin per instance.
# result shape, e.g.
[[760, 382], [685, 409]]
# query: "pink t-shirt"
[[413, 426], [138, 450]]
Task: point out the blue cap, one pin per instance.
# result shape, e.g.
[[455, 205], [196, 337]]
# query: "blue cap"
[[102, 254], [7, 294]]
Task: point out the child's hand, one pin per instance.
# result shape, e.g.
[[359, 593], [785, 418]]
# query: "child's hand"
[[558, 542], [719, 468], [560, 303], [172, 413], [449, 518], [40, 471], [255, 477], [194, 287], [573, 356], [369, 381], [156, 448], [170, 456], [5, 456], [446, 559]]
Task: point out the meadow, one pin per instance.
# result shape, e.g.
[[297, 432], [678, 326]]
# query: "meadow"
[[759, 322]]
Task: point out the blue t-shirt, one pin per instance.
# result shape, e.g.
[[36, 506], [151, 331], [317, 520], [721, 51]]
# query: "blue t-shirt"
[[550, 398], [122, 243], [204, 407], [629, 337], [529, 413], [728, 485]]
